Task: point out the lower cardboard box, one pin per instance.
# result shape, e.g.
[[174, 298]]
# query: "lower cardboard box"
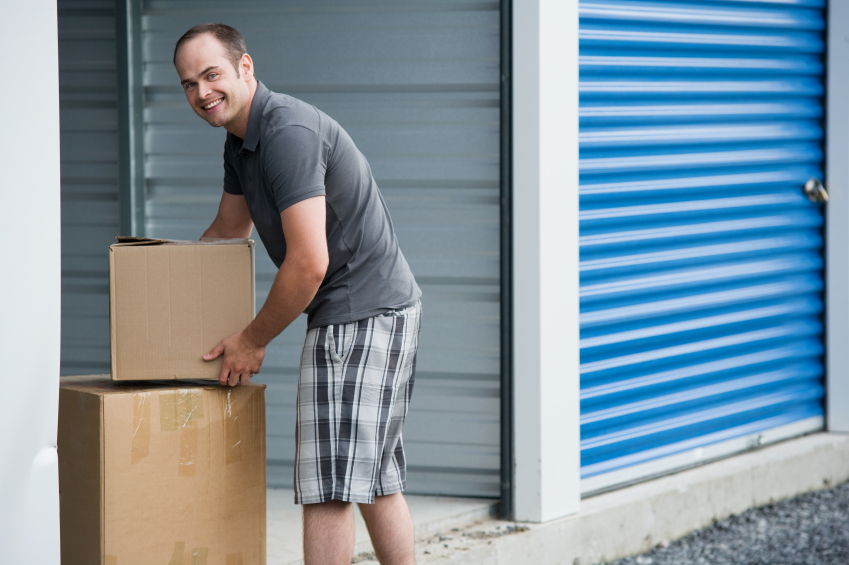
[[170, 473]]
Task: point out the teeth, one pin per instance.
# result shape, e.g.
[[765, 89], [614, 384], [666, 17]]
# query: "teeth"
[[213, 104]]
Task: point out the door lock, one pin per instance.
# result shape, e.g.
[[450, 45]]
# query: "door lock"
[[815, 191]]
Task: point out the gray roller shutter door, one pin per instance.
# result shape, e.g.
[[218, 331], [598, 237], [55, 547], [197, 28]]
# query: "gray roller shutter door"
[[88, 96], [417, 86]]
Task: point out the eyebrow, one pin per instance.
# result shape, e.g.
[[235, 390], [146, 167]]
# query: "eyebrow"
[[203, 72]]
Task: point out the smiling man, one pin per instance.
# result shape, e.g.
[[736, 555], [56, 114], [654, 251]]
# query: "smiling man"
[[294, 173]]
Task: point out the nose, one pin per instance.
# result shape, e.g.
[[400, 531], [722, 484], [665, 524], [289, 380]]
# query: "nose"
[[203, 90]]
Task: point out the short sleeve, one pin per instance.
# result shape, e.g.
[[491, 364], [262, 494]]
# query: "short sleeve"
[[294, 162]]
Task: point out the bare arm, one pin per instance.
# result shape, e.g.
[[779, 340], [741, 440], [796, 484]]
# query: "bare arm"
[[300, 274], [294, 287], [233, 219]]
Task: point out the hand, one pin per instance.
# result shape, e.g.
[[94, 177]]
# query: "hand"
[[242, 359]]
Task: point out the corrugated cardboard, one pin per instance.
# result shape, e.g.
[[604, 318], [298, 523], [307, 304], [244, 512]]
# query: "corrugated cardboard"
[[161, 473], [171, 302]]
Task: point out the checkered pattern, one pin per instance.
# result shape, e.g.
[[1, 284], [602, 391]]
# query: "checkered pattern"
[[353, 394]]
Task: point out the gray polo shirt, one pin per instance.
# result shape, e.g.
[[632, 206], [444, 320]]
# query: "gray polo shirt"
[[292, 151]]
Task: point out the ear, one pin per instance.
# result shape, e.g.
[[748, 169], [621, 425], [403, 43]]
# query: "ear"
[[246, 66]]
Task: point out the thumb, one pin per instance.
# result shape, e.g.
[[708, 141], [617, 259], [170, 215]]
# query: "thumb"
[[215, 352]]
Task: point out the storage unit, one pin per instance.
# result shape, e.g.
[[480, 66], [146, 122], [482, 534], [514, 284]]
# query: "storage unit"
[[417, 86], [701, 258]]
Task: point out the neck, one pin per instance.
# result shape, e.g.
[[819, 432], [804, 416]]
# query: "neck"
[[239, 125]]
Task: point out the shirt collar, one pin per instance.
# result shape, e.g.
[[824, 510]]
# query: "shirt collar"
[[255, 116]]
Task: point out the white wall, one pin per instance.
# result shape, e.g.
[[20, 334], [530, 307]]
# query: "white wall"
[[546, 426], [29, 283]]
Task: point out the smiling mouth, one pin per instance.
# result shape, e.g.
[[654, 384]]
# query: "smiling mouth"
[[213, 104]]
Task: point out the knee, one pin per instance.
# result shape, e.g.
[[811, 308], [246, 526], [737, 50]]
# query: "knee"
[[329, 507]]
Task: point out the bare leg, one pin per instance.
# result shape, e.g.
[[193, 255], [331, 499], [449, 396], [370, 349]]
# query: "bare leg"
[[391, 529], [328, 533]]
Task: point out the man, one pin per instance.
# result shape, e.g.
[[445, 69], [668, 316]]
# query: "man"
[[295, 174]]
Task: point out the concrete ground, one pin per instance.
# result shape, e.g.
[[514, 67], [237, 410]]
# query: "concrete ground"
[[431, 515], [628, 521]]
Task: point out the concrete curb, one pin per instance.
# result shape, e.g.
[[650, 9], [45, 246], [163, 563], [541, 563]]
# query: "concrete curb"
[[636, 518]]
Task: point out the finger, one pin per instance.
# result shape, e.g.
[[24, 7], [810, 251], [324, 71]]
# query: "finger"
[[223, 376], [214, 353], [234, 379]]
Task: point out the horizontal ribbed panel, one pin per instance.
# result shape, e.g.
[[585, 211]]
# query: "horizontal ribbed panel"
[[701, 259], [88, 93], [416, 84]]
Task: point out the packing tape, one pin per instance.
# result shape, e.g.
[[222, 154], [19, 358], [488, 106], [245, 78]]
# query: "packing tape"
[[179, 409], [188, 452], [140, 445], [198, 555], [232, 431], [234, 559], [177, 554]]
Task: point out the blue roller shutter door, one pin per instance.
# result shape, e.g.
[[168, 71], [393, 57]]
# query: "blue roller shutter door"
[[701, 260]]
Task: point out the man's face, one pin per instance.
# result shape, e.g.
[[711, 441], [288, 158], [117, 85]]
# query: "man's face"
[[213, 88]]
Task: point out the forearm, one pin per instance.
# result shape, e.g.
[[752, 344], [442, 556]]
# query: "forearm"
[[212, 232], [290, 294], [219, 230], [233, 219]]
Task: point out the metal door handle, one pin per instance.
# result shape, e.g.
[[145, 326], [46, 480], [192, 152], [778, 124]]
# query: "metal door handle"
[[815, 191]]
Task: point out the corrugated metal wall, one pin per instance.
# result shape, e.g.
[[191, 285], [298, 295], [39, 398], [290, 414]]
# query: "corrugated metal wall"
[[88, 92], [701, 260], [417, 86]]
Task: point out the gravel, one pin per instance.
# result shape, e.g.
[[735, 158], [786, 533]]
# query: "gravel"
[[811, 529]]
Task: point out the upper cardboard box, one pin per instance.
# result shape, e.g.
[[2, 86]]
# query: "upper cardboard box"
[[172, 301]]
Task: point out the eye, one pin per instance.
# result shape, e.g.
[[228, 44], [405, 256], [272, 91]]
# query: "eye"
[[188, 85], [212, 76]]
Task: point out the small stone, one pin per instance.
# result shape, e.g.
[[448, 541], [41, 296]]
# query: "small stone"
[[643, 560]]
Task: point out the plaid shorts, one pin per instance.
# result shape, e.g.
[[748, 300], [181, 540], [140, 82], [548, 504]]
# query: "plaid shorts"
[[354, 390]]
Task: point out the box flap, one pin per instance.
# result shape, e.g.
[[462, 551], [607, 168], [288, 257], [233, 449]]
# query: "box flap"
[[131, 240], [102, 385]]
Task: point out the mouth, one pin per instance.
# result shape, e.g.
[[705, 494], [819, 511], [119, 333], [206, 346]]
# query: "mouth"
[[213, 104]]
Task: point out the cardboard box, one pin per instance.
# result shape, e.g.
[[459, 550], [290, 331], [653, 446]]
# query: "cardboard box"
[[164, 473], [171, 302]]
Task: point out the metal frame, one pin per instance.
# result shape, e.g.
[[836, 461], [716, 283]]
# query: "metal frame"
[[131, 195], [506, 502], [837, 226], [545, 308]]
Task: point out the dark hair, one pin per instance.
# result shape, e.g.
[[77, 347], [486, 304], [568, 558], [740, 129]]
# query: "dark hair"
[[229, 37]]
